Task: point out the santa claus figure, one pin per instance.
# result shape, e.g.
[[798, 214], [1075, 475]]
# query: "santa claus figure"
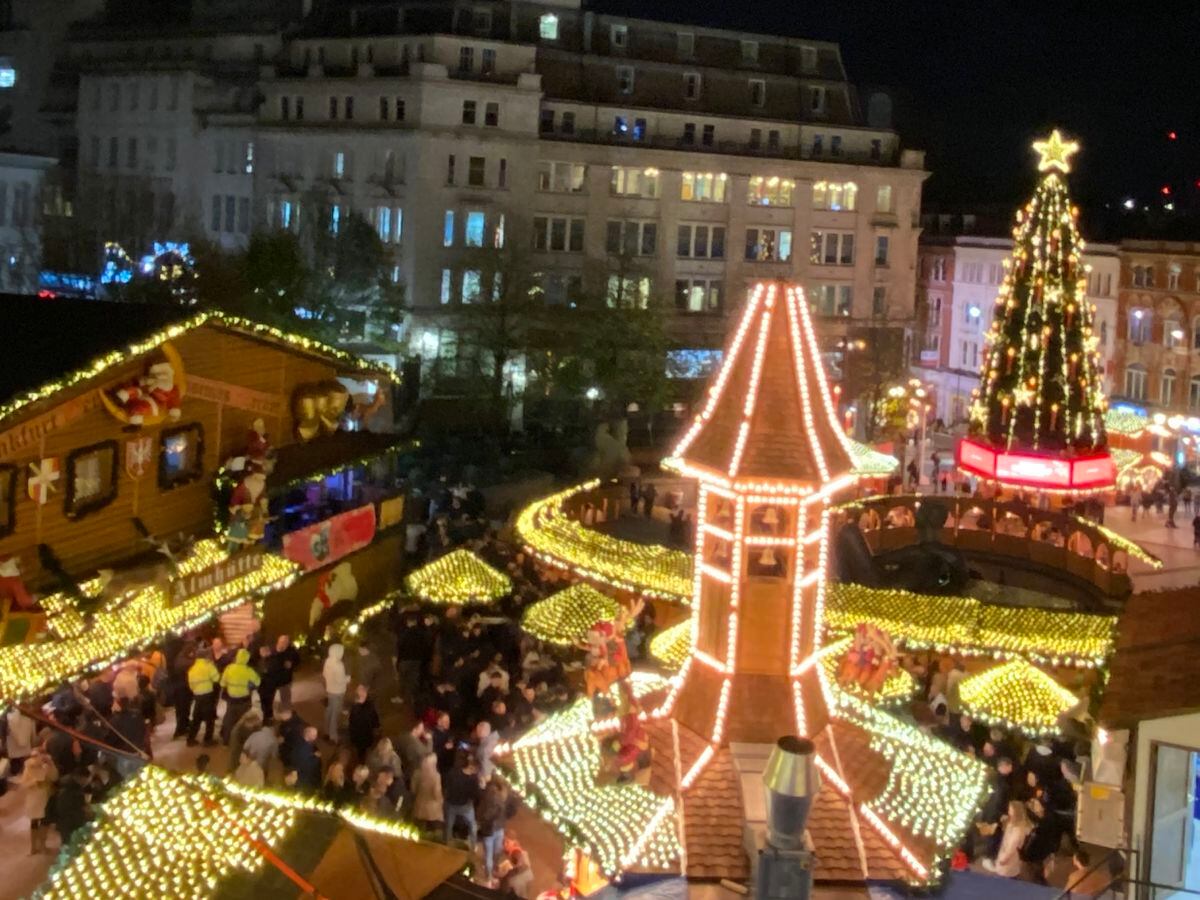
[[155, 394], [257, 444], [12, 585], [249, 502]]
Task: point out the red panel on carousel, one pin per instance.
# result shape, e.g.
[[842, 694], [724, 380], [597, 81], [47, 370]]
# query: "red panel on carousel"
[[1031, 470]]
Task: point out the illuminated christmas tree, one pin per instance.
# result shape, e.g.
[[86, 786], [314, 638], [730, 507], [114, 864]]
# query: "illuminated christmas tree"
[[1037, 419]]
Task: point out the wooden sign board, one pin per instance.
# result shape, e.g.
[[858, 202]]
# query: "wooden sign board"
[[236, 396], [223, 572], [24, 439]]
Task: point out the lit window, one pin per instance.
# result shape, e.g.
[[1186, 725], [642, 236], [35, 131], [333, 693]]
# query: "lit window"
[[91, 478], [768, 244], [285, 214], [628, 292], [703, 187], [1135, 385], [471, 283], [339, 164], [836, 196], [1167, 387], [770, 191], [548, 27], [561, 177], [445, 289], [448, 229], [383, 222], [630, 181], [181, 455], [883, 198], [8, 76], [473, 233], [698, 295], [335, 219]]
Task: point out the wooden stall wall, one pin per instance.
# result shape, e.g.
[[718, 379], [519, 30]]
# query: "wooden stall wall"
[[107, 535], [378, 569]]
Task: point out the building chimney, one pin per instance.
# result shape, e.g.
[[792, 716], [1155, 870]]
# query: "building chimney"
[[790, 785]]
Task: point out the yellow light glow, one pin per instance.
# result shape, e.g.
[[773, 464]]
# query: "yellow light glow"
[[1054, 152]]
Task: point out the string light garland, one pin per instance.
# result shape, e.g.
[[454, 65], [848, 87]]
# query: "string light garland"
[[967, 626], [555, 767], [1120, 542], [1125, 422], [1016, 696], [102, 364], [565, 617], [552, 536], [868, 461], [672, 646], [168, 835], [458, 577], [897, 688], [127, 623]]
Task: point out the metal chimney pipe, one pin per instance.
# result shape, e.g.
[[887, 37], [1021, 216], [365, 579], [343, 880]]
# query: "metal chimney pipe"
[[791, 783]]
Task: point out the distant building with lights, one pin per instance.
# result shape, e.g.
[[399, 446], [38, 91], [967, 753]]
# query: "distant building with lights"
[[614, 156], [958, 278]]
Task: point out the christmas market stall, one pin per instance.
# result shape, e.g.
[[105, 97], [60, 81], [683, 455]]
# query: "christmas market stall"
[[168, 835], [110, 443]]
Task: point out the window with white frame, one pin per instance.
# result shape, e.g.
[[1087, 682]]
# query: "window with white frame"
[[832, 248], [628, 291], [768, 244], [631, 238], [474, 225], [548, 27], [1143, 276], [620, 36], [699, 295], [883, 198], [696, 241], [472, 285], [558, 234], [1166, 387], [770, 191], [1140, 321], [632, 181], [837, 196], [1173, 277], [1135, 383], [561, 177], [468, 112], [1173, 336], [882, 247], [561, 290], [703, 187], [970, 355], [831, 299]]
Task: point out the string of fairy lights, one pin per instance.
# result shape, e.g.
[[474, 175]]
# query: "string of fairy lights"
[[184, 836], [104, 363], [458, 577], [127, 623], [1017, 696], [553, 537], [564, 618], [1040, 387]]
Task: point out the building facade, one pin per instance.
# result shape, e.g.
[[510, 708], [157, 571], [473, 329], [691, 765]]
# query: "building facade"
[[1158, 327], [958, 280], [613, 157]]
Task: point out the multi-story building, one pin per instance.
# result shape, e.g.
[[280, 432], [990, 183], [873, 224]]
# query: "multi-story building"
[[1158, 327], [614, 157], [958, 280]]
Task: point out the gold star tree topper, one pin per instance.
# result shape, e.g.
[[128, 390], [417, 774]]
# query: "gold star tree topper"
[[1055, 152]]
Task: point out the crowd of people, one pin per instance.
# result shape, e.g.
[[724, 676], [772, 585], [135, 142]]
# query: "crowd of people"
[[1026, 827]]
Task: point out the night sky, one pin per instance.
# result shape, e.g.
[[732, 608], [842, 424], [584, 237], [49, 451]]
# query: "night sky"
[[978, 80]]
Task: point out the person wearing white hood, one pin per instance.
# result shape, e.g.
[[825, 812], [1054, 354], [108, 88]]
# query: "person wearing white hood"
[[336, 682]]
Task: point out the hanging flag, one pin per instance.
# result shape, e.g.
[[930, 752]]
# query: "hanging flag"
[[139, 454], [42, 479]]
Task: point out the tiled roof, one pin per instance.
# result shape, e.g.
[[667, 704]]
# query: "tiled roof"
[[793, 427], [1156, 666]]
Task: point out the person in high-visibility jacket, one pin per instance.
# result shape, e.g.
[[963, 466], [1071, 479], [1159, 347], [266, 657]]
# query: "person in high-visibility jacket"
[[238, 680], [203, 678]]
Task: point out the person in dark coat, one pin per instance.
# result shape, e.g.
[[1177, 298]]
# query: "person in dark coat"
[[364, 721], [70, 804], [1043, 841], [181, 694], [291, 735], [306, 762]]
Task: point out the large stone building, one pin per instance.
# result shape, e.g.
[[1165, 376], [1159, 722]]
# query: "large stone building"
[[957, 282], [612, 156]]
